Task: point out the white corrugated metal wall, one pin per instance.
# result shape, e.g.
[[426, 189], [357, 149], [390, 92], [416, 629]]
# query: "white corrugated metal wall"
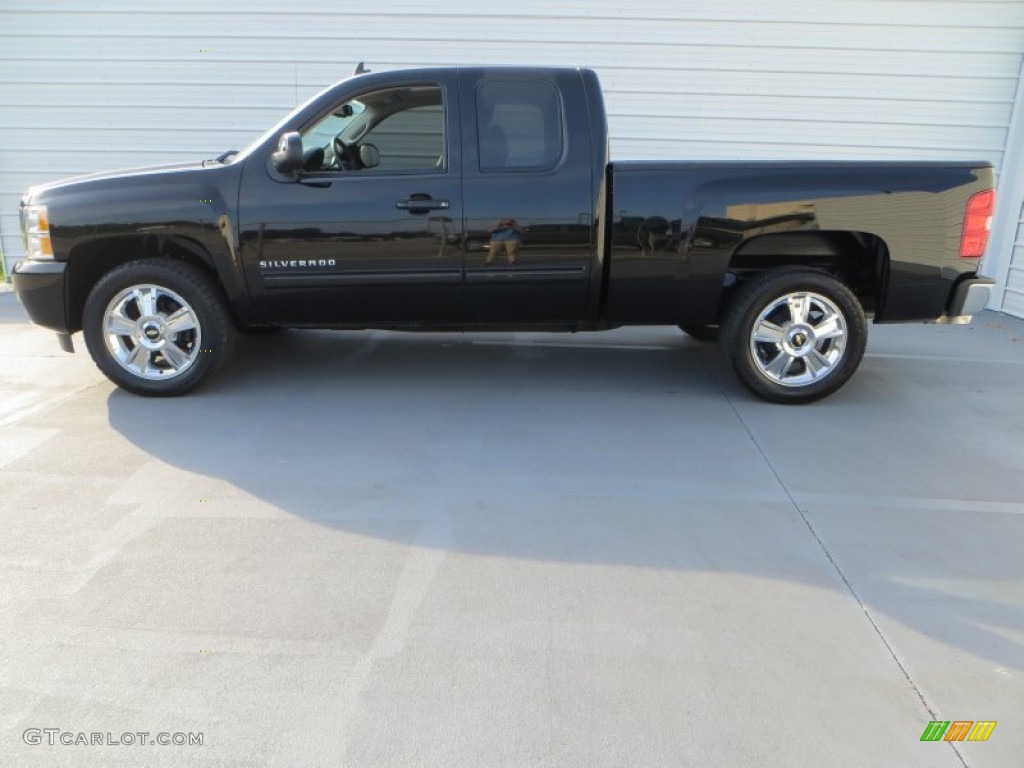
[[85, 87], [1013, 298], [1006, 253]]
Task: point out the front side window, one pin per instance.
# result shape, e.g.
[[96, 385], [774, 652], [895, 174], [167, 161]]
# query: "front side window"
[[396, 129], [519, 125], [332, 124]]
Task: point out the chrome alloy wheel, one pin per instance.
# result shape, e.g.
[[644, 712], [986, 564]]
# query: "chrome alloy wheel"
[[152, 332], [798, 339]]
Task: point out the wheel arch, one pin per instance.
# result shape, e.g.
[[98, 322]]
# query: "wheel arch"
[[858, 259], [89, 262]]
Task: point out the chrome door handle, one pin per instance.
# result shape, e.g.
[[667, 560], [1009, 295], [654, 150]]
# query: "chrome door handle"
[[422, 204]]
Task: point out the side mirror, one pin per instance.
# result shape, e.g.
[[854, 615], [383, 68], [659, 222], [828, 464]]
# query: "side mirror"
[[288, 158]]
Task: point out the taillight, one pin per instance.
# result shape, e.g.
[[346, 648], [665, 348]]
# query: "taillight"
[[977, 223]]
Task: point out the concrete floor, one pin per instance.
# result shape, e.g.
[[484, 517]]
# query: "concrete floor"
[[374, 549]]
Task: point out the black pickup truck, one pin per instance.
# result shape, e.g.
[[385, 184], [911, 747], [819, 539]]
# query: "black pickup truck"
[[484, 199]]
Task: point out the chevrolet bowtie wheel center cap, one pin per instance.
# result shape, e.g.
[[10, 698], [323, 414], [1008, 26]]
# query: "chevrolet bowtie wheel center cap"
[[800, 340]]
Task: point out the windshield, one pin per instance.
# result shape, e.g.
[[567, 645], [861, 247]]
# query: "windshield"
[[277, 127]]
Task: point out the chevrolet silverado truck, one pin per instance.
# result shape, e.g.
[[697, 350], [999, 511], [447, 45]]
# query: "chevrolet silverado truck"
[[476, 199]]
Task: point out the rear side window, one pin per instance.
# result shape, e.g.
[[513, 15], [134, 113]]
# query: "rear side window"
[[519, 125]]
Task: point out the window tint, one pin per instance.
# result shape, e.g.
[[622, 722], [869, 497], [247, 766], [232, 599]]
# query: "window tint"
[[410, 140], [394, 129], [519, 125], [328, 127]]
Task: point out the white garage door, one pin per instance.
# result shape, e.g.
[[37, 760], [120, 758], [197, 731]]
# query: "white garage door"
[[167, 80]]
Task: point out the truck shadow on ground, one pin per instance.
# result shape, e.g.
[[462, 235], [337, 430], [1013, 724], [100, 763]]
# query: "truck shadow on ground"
[[639, 453]]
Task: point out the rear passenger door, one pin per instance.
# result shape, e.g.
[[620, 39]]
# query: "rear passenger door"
[[527, 197]]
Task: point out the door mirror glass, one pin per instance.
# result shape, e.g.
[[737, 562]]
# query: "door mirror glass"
[[288, 158]]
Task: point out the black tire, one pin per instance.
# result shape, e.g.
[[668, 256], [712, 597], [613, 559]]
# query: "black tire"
[[700, 332], [137, 298], [811, 367]]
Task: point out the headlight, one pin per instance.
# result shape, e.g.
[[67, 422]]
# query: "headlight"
[[37, 233]]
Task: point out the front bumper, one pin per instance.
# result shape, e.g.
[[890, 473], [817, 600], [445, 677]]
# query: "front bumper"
[[40, 286]]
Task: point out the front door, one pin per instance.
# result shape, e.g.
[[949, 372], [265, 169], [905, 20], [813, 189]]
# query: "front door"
[[370, 232]]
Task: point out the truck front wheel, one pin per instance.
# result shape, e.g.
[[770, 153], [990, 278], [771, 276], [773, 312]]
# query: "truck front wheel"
[[157, 327], [794, 336]]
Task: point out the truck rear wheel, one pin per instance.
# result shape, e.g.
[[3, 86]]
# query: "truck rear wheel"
[[157, 327], [794, 336]]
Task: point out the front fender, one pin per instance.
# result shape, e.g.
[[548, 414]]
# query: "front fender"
[[190, 213]]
